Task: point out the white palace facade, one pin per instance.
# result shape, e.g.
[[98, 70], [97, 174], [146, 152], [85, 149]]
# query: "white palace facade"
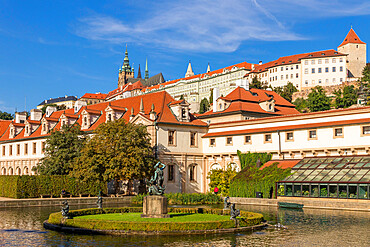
[[192, 144]]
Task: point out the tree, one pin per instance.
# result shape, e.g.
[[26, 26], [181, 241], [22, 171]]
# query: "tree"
[[61, 149], [203, 106], [317, 100], [255, 83], [5, 116], [117, 150], [366, 73], [345, 98], [221, 179], [286, 91], [211, 97], [301, 104], [365, 84]]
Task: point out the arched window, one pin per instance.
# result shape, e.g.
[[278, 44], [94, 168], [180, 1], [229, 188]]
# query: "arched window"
[[3, 171], [25, 171], [18, 171], [215, 166], [233, 166], [10, 171]]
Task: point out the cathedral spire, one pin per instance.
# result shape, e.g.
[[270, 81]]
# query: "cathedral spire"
[[139, 73], [189, 71], [146, 70], [208, 68]]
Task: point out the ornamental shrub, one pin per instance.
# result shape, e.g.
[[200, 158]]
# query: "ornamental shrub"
[[35, 186], [184, 198]]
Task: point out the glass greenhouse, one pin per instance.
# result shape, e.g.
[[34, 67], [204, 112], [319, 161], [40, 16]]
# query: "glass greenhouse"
[[330, 177]]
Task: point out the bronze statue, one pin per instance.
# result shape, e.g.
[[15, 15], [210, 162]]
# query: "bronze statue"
[[100, 201], [156, 186], [234, 212], [226, 203], [65, 210]]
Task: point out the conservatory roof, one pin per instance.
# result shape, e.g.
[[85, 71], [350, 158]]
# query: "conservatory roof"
[[332, 170]]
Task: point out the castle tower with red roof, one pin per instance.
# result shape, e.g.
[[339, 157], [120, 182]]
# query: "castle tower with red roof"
[[356, 50]]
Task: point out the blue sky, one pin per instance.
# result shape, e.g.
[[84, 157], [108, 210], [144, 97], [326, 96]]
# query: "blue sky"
[[56, 48]]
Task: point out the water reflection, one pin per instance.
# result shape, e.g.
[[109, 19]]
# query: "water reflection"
[[308, 227]]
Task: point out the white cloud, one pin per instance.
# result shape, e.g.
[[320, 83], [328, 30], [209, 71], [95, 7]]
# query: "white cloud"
[[212, 25]]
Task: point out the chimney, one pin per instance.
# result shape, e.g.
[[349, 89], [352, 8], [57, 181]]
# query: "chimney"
[[152, 113], [260, 62], [50, 110], [216, 95], [20, 117], [132, 113], [36, 114], [78, 105]]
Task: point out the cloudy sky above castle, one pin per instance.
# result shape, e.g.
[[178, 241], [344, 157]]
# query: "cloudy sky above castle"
[[56, 48]]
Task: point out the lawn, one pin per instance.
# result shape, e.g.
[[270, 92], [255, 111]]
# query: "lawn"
[[136, 217]]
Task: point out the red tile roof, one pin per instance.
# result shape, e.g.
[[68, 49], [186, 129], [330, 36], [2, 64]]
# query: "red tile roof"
[[125, 88], [351, 38], [4, 124], [288, 127], [94, 96], [283, 164]]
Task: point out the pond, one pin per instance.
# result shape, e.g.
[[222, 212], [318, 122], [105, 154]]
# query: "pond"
[[308, 227]]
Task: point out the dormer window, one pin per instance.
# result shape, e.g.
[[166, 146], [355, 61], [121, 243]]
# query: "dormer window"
[[27, 130], [183, 113], [109, 117], [44, 127], [85, 121]]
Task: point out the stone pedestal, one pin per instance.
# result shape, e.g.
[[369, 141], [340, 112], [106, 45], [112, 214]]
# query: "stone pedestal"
[[155, 207]]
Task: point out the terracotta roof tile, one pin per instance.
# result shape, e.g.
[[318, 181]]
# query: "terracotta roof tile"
[[283, 164], [94, 96], [351, 38]]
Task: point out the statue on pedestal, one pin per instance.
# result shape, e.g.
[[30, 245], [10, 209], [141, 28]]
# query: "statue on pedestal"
[[156, 186], [65, 210], [234, 212], [100, 202], [226, 202]]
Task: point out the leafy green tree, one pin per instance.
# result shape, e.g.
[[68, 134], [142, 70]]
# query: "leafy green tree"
[[255, 83], [345, 98], [221, 179], [61, 149], [5, 116], [317, 100], [366, 73], [301, 104], [211, 97], [365, 84], [203, 106], [286, 91], [117, 150]]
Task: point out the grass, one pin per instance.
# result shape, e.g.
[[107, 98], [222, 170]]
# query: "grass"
[[136, 217]]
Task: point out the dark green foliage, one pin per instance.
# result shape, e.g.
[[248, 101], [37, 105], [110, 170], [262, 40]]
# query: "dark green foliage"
[[255, 83], [251, 179], [317, 100], [211, 97], [185, 198], [345, 98], [250, 159], [221, 179], [204, 106], [301, 105], [35, 186], [366, 73], [61, 150], [246, 219], [117, 150], [286, 91], [5, 116]]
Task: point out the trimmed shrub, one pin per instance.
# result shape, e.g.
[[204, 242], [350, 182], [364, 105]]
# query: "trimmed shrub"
[[184, 198], [35, 186]]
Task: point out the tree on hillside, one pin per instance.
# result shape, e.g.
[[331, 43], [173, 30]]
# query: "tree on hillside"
[[203, 106], [117, 150], [365, 84], [366, 73], [286, 91], [345, 98], [301, 104], [5, 116], [61, 149], [255, 83], [317, 100]]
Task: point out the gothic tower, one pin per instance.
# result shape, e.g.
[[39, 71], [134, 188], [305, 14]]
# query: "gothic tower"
[[356, 50], [125, 71], [189, 71], [146, 70]]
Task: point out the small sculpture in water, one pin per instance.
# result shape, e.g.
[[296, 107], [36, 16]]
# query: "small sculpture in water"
[[156, 182], [100, 201], [226, 202], [65, 210], [234, 212]]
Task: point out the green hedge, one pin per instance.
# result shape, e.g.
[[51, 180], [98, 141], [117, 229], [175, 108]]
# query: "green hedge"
[[185, 198], [246, 219], [35, 186]]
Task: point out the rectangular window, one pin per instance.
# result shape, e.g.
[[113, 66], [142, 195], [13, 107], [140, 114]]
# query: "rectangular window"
[[10, 150], [319, 80], [327, 60], [296, 75], [268, 138], [286, 76], [333, 79], [306, 71], [171, 137], [297, 66], [341, 79], [212, 142], [313, 70], [340, 59], [341, 68], [334, 69], [365, 130], [18, 149], [338, 132], [289, 136], [312, 61], [286, 68], [282, 77], [334, 60], [291, 76], [306, 82], [25, 148], [312, 134], [319, 61], [247, 139], [282, 68], [306, 62], [171, 173], [229, 141], [319, 70], [192, 174], [34, 148], [193, 139], [3, 150], [326, 69]]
